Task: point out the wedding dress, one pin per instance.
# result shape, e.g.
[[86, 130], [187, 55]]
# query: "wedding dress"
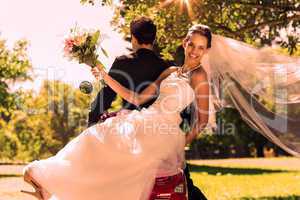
[[120, 158]]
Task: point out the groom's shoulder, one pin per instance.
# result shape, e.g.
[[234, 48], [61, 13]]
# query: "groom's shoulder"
[[123, 61], [126, 57], [133, 58]]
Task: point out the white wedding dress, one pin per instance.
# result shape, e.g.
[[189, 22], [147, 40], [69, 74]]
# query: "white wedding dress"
[[120, 158]]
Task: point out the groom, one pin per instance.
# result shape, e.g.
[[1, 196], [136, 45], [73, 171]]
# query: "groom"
[[135, 72]]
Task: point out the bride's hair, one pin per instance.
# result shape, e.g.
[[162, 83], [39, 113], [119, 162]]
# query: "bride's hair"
[[202, 30]]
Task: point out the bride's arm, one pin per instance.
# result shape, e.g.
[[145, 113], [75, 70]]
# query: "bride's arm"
[[199, 83], [129, 95]]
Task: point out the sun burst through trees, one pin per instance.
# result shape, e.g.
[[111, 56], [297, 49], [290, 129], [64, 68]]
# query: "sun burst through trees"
[[184, 5]]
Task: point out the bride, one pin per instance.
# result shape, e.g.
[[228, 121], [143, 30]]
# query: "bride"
[[121, 157]]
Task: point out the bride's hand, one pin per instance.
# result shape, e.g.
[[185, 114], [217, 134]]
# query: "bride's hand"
[[95, 72], [98, 71]]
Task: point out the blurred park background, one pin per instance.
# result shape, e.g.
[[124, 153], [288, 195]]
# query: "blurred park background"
[[229, 160]]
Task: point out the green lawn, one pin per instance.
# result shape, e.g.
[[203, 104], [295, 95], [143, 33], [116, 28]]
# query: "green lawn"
[[248, 179], [228, 179]]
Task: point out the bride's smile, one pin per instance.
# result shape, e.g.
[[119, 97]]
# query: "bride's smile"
[[195, 48]]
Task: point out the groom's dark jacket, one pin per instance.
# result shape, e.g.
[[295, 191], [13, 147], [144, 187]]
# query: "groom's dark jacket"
[[135, 72]]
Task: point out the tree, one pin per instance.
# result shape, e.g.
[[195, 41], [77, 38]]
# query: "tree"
[[8, 148], [14, 66], [252, 21], [27, 134], [67, 109], [44, 122], [244, 136]]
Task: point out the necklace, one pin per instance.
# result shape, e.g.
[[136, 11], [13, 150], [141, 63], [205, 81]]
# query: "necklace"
[[187, 73]]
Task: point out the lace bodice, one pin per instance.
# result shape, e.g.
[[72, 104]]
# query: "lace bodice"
[[175, 94]]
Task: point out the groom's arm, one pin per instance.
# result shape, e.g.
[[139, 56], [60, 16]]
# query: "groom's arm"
[[105, 97]]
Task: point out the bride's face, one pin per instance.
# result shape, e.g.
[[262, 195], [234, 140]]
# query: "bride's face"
[[195, 47]]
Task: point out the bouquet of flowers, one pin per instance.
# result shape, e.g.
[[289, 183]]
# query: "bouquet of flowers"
[[82, 47]]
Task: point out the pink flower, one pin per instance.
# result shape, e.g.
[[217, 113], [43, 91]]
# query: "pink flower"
[[79, 40], [69, 43]]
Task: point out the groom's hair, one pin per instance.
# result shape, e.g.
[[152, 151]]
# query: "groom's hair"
[[202, 30], [143, 29]]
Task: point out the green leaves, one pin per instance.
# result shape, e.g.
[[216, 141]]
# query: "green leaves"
[[104, 52], [92, 2], [14, 66], [243, 20], [95, 38], [44, 122]]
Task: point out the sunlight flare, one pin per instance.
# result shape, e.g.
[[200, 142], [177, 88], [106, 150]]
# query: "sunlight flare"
[[183, 5]]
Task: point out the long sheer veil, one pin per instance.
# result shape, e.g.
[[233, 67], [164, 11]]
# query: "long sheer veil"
[[263, 85]]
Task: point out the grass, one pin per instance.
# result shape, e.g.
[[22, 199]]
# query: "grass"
[[232, 179], [265, 179]]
